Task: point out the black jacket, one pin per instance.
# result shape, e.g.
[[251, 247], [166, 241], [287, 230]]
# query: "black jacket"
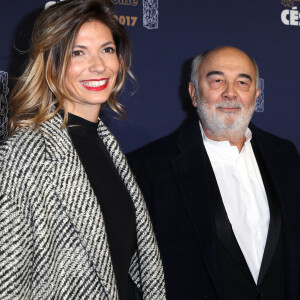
[[173, 174]]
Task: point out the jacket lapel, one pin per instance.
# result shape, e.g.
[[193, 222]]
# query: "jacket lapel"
[[224, 231], [191, 169], [146, 267], [275, 218], [76, 197], [278, 174]]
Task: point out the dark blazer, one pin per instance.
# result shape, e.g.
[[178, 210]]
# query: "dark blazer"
[[173, 174]]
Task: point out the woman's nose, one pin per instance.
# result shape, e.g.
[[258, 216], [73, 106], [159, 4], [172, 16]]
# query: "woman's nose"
[[97, 64]]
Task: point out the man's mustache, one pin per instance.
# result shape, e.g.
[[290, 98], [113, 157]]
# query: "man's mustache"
[[229, 104]]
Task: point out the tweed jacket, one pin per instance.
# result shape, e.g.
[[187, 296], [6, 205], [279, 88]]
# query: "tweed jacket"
[[53, 243]]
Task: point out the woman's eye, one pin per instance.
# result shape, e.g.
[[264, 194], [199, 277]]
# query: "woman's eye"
[[77, 53], [109, 50]]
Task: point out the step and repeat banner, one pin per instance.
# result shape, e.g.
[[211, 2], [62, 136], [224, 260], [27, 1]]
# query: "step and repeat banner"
[[165, 36]]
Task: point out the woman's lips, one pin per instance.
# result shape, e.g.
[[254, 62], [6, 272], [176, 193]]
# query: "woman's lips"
[[95, 84]]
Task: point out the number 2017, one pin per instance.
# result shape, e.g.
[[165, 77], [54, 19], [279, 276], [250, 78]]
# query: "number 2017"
[[126, 20]]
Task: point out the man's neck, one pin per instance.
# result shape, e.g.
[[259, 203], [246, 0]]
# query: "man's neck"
[[232, 137]]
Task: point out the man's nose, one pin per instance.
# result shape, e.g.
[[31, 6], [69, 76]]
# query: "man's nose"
[[230, 91], [97, 64]]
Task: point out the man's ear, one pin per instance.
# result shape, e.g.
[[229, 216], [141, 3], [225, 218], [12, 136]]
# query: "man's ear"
[[192, 93], [257, 93]]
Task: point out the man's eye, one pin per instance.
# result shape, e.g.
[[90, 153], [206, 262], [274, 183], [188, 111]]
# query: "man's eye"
[[217, 81], [77, 53], [243, 84]]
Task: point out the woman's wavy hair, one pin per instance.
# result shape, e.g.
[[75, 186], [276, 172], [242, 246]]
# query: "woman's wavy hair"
[[39, 92]]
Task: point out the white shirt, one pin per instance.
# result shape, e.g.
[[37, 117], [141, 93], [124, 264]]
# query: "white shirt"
[[243, 195]]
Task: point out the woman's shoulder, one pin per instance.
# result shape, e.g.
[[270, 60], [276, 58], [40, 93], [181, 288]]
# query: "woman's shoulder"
[[20, 148]]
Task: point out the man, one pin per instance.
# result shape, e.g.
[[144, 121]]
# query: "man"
[[224, 197]]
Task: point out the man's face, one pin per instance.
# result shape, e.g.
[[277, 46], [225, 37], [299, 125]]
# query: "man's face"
[[226, 94]]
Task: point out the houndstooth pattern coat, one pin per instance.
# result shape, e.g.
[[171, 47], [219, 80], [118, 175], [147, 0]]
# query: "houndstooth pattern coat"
[[53, 243]]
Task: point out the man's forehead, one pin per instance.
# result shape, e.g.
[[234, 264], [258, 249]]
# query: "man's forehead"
[[227, 59]]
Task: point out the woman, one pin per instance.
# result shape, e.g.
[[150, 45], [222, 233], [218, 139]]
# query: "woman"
[[73, 222]]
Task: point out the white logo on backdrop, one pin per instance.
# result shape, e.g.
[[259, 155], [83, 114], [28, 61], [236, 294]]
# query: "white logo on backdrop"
[[290, 16], [260, 101], [3, 104], [150, 14]]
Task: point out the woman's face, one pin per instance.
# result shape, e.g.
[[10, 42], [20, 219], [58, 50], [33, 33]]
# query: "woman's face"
[[93, 70]]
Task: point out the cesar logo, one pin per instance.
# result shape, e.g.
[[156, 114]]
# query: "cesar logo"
[[150, 14], [290, 17]]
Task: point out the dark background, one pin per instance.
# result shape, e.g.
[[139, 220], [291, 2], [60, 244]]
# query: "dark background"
[[161, 59]]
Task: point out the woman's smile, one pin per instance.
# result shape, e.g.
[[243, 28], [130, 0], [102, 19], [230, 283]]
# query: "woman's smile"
[[95, 84]]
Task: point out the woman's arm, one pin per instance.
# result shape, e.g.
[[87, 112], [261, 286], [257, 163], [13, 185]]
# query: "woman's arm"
[[15, 251]]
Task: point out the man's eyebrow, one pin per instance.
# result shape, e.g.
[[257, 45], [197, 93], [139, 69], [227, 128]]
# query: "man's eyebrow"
[[243, 75], [214, 73]]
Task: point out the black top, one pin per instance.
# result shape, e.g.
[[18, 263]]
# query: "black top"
[[114, 199]]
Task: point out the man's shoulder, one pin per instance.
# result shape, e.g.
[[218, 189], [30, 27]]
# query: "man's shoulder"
[[272, 141], [157, 157], [160, 149], [169, 143]]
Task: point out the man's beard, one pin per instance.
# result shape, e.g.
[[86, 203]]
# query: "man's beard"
[[215, 122]]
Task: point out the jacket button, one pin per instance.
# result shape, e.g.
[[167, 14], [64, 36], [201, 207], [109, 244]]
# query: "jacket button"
[[259, 295]]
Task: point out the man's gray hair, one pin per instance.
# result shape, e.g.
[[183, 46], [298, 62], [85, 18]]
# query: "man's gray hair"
[[197, 61]]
